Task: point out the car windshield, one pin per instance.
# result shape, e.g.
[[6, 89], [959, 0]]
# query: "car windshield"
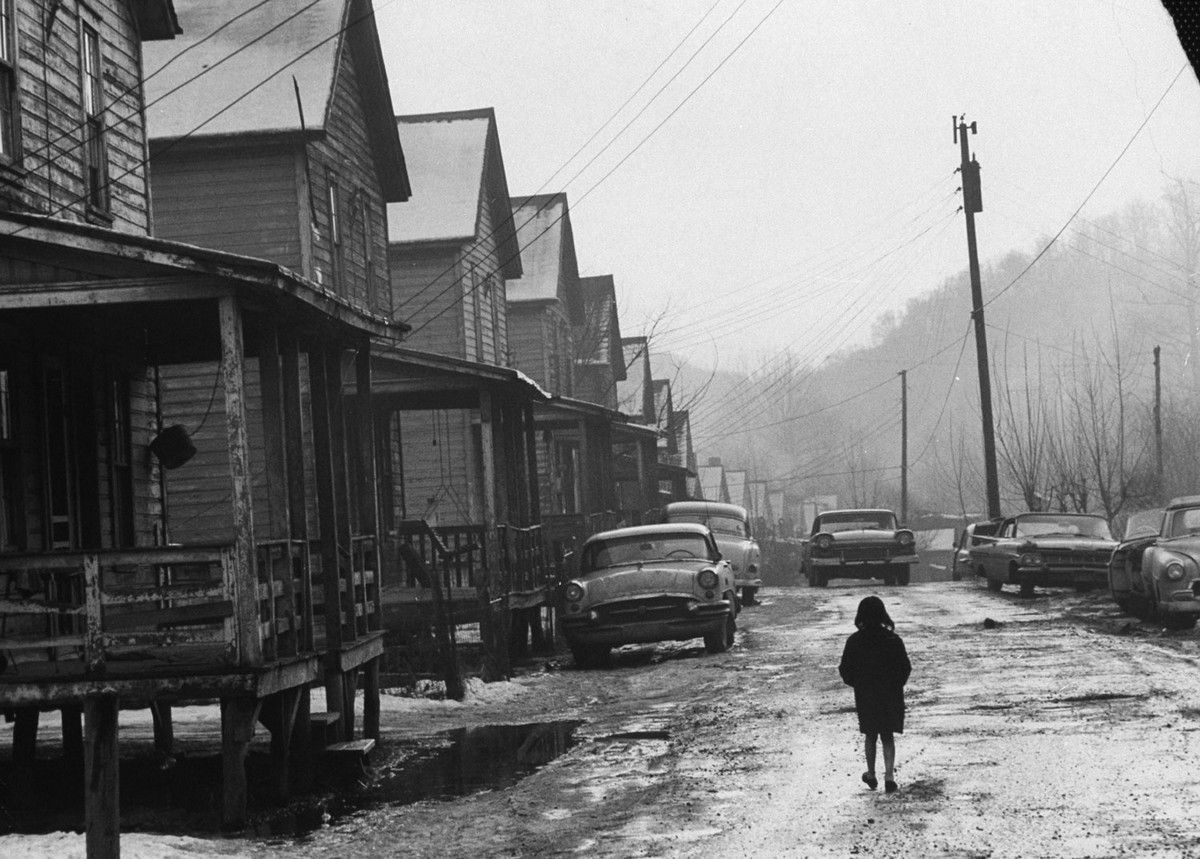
[[1063, 526], [1144, 523], [1183, 522], [642, 548], [730, 525], [831, 523]]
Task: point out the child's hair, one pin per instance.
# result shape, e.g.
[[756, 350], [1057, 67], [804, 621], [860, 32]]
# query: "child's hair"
[[872, 613]]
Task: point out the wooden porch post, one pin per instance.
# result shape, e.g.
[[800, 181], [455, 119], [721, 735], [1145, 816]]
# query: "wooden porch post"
[[323, 455], [587, 502], [102, 806], [283, 612], [490, 588], [531, 464], [487, 436], [233, 375], [297, 491], [368, 489]]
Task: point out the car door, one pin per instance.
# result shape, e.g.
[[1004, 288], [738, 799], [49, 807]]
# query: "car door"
[[986, 552]]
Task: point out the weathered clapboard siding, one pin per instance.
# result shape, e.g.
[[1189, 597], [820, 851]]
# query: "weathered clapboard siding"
[[236, 199], [480, 271], [440, 467], [526, 341], [345, 153], [50, 175], [423, 287]]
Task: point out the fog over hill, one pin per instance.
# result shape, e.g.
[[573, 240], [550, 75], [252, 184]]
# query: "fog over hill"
[[1071, 337]]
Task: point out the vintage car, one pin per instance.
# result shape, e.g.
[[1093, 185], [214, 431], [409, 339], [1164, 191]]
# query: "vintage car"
[[857, 544], [645, 584], [730, 524], [968, 537], [1047, 550], [1155, 570]]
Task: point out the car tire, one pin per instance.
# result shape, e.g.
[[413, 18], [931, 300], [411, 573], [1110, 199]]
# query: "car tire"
[[722, 640], [820, 579], [748, 594], [904, 574], [590, 655], [993, 585], [1026, 589]]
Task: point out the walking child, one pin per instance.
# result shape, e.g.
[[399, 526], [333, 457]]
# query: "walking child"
[[876, 664]]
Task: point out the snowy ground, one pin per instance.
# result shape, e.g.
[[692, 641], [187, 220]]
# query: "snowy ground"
[[1060, 730]]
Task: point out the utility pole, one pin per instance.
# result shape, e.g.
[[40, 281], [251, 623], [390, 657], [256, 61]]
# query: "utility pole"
[[972, 203], [904, 447], [1158, 463]]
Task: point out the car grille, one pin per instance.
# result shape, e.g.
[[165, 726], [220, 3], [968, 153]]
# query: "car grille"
[[651, 608], [866, 553], [1088, 558]]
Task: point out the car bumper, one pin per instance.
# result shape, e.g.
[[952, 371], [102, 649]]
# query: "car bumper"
[[864, 563], [1061, 577], [591, 628]]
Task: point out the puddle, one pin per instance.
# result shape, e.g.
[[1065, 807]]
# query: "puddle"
[[449, 765]]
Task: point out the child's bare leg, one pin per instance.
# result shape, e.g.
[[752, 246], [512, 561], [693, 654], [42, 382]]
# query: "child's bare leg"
[[889, 755], [870, 749]]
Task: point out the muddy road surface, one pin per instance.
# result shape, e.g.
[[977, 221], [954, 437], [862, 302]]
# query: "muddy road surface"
[[1049, 726]]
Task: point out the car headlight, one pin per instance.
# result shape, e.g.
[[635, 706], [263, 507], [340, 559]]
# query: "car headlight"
[[753, 568], [1174, 571], [707, 579], [905, 538], [573, 592], [823, 541], [1031, 559]]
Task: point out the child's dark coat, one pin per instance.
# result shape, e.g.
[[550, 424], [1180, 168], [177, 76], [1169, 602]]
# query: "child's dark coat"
[[876, 664]]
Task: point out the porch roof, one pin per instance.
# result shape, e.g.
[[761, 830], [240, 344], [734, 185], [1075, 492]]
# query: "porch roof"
[[81, 265], [440, 381]]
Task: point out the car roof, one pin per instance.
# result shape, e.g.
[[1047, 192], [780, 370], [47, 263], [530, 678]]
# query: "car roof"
[[705, 507], [651, 531], [1057, 515], [1184, 501], [858, 510]]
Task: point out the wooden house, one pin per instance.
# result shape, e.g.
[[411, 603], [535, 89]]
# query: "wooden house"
[[712, 481], [298, 169], [736, 482], [108, 603], [456, 420], [546, 308]]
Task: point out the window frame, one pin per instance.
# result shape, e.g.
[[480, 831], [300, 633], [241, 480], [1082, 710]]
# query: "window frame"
[[10, 101], [94, 151]]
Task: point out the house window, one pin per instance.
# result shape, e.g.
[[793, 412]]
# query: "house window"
[[334, 202], [10, 494], [95, 159], [374, 299], [9, 135]]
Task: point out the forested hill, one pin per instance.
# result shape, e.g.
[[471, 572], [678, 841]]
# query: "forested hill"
[[1071, 338]]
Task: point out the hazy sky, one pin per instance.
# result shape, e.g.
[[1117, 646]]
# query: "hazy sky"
[[809, 184]]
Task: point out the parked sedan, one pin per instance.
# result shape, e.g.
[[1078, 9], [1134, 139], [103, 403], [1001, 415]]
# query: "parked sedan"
[[1046, 550], [646, 584], [1155, 571], [968, 537], [857, 544], [730, 524]]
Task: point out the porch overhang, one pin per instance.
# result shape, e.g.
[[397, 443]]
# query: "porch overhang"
[[69, 264], [408, 380]]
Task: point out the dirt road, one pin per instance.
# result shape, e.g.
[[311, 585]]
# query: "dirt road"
[[1049, 734]]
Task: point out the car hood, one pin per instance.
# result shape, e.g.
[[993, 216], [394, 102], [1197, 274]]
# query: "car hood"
[[623, 582], [1189, 546], [1090, 544]]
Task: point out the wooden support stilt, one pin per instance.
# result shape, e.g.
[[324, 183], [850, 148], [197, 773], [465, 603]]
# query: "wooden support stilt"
[[237, 730], [284, 706], [537, 630], [72, 734], [164, 728], [335, 701], [370, 729], [518, 633], [350, 690], [102, 807], [302, 743], [25, 731]]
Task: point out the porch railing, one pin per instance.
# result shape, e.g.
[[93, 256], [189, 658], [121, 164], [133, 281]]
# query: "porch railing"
[[94, 606], [456, 554], [525, 564]]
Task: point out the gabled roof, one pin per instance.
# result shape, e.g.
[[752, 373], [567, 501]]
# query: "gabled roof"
[[547, 253], [454, 165], [234, 66], [712, 482], [736, 482], [600, 335], [156, 19], [631, 392]]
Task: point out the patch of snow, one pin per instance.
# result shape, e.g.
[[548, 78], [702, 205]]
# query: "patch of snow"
[[134, 845]]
